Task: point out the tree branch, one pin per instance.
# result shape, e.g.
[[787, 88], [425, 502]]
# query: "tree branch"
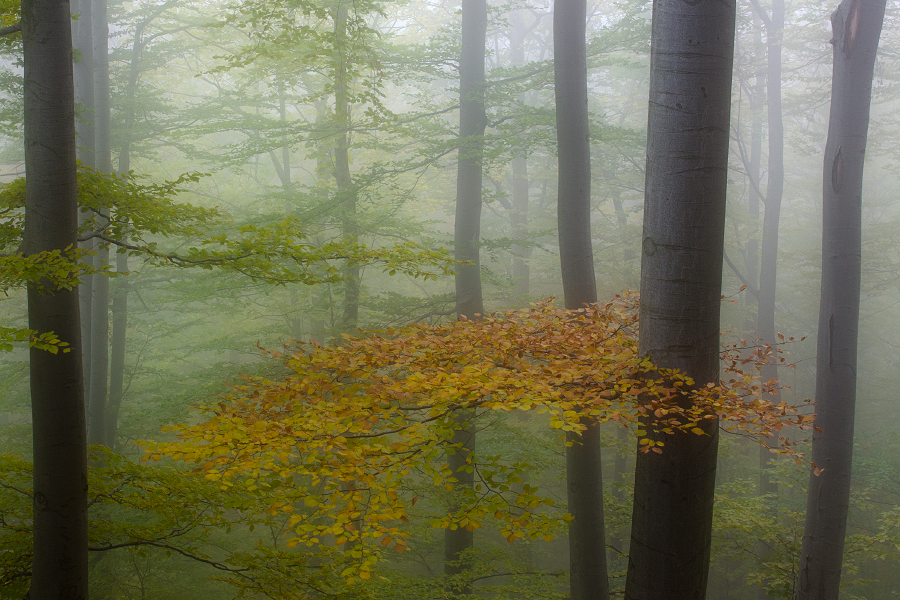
[[750, 287], [212, 563], [10, 29]]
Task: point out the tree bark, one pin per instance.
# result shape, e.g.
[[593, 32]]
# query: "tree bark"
[[466, 242], [692, 48], [584, 479], [59, 568], [856, 26]]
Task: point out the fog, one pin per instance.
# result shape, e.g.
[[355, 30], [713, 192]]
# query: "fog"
[[289, 177]]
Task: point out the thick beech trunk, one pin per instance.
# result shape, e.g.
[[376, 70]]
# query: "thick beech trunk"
[[466, 241], [692, 50], [59, 568], [856, 27], [584, 480]]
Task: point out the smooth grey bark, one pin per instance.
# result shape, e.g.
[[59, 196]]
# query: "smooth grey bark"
[[692, 49], [584, 479], [59, 568], [856, 27], [99, 382], [466, 242]]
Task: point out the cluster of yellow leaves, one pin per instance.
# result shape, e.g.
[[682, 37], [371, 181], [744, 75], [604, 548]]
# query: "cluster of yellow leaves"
[[334, 443]]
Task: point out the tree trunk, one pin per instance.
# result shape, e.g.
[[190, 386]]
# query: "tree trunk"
[[97, 400], [466, 242], [692, 48], [774, 193], [765, 314], [59, 568], [349, 225], [584, 480], [519, 214], [856, 26], [472, 122], [84, 96], [117, 352]]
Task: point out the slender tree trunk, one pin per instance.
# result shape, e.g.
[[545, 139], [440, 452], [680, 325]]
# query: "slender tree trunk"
[[120, 298], [102, 122], [134, 72], [771, 218], [99, 353], [692, 48], [349, 224], [97, 400], [765, 286], [117, 352], [59, 568], [472, 122], [84, 96], [521, 271], [856, 26], [584, 480], [519, 214], [466, 242]]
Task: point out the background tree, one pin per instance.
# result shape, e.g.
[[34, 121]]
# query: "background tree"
[[584, 465], [466, 244], [857, 27]]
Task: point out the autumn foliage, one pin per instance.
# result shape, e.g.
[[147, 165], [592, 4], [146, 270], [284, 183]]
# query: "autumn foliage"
[[339, 441]]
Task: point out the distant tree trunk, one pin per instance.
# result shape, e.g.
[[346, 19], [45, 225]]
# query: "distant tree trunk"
[[117, 352], [59, 568], [856, 26], [466, 242], [692, 48], [519, 214], [97, 401], [472, 122], [764, 327], [349, 224], [584, 480], [84, 96], [771, 218]]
